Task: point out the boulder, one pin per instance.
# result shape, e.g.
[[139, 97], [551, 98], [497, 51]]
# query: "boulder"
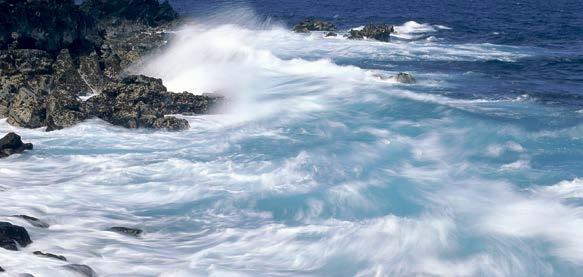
[[27, 109], [405, 78], [331, 34], [2, 269], [49, 255], [143, 102], [49, 25], [378, 32], [126, 231], [33, 221], [312, 24], [12, 144], [63, 110], [81, 269], [11, 236]]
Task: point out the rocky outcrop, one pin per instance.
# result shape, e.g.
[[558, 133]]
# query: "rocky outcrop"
[[12, 236], [33, 221], [67, 76], [312, 24], [49, 25], [143, 102], [12, 144], [149, 12], [378, 32], [81, 269], [49, 255], [63, 110], [126, 231]]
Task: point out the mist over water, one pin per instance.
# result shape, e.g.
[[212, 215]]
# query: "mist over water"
[[316, 167]]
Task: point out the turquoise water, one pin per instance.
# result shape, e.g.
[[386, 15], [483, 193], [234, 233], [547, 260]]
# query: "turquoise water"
[[316, 167]]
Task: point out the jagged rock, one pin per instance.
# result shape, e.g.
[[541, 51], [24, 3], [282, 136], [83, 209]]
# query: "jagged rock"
[[49, 255], [379, 32], [312, 24], [45, 24], [28, 109], [81, 269], [34, 221], [150, 12], [126, 231], [11, 235], [91, 71], [143, 102], [67, 77], [63, 110], [12, 144], [405, 78]]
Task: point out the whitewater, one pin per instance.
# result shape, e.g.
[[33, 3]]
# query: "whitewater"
[[315, 167]]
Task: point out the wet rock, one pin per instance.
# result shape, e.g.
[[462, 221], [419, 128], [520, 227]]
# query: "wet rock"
[[405, 78], [49, 25], [63, 110], [27, 109], [378, 32], [91, 72], [312, 24], [67, 77], [143, 102], [126, 231], [12, 144], [150, 12], [11, 236], [34, 221], [25, 275], [81, 269], [49, 255], [331, 34], [2, 269]]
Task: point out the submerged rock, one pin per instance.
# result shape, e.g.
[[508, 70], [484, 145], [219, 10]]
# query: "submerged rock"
[[49, 255], [11, 236], [405, 78], [312, 24], [34, 221], [126, 231], [378, 32], [82, 269], [12, 144]]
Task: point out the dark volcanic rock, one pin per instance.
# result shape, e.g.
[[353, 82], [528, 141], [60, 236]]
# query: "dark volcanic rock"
[[2, 269], [66, 75], [28, 109], [143, 102], [10, 235], [63, 110], [81, 269], [150, 12], [405, 78], [49, 25], [49, 255], [379, 32], [312, 24], [126, 231], [12, 144], [33, 221]]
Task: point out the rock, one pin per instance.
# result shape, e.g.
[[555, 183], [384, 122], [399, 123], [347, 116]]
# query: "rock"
[[143, 102], [28, 109], [81, 269], [67, 77], [331, 34], [49, 255], [405, 78], [25, 275], [34, 221], [378, 32], [91, 71], [63, 110], [49, 25], [10, 235], [2, 269], [312, 24], [12, 144], [126, 231], [150, 12]]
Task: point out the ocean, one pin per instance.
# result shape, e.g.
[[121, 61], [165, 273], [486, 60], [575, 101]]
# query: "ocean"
[[317, 167]]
